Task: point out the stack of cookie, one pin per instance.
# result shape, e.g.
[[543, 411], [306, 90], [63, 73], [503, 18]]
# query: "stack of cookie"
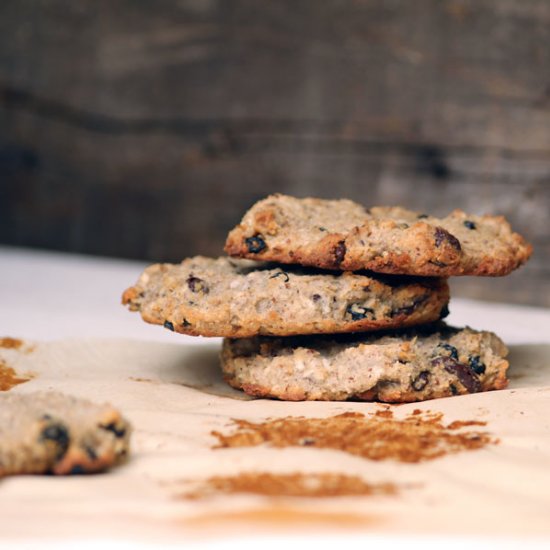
[[324, 300]]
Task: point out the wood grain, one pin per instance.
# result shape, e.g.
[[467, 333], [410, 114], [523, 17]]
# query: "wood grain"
[[145, 130]]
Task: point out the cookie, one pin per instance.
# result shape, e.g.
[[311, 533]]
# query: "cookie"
[[341, 234], [414, 365], [48, 432], [240, 298]]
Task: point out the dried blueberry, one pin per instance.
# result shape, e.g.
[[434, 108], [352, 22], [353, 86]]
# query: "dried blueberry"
[[443, 235], [469, 224], [185, 323], [453, 352], [316, 297], [444, 311], [407, 310], [197, 285], [278, 274], [440, 236], [422, 216], [421, 381], [475, 363], [77, 469], [112, 427], [59, 434], [358, 312], [255, 244], [464, 374], [339, 252], [169, 325], [453, 389]]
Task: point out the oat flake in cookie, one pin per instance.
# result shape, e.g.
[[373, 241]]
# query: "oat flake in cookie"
[[240, 298], [48, 432], [414, 365], [341, 234]]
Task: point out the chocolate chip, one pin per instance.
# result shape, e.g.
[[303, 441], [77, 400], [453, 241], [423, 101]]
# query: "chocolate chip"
[[475, 363], [197, 285], [316, 297], [339, 252], [112, 427], [283, 273], [421, 381], [453, 352], [169, 325], [59, 434], [465, 376], [255, 244], [443, 235], [358, 312], [469, 224]]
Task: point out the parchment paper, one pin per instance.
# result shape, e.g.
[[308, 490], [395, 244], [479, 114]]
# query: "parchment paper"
[[174, 396]]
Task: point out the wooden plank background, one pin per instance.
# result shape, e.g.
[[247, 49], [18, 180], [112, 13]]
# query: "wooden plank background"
[[145, 129]]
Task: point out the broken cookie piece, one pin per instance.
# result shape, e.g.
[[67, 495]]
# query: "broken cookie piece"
[[52, 433]]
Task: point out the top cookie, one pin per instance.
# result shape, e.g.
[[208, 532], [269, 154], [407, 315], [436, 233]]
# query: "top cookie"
[[341, 234]]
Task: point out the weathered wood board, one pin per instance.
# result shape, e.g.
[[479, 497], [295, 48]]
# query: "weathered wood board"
[[146, 129]]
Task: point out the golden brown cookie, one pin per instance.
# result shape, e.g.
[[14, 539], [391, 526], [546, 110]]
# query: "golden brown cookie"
[[240, 298], [415, 365], [341, 234]]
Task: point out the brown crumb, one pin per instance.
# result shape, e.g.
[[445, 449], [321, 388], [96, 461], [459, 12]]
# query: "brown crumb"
[[415, 438], [10, 343], [9, 378], [457, 424], [312, 485]]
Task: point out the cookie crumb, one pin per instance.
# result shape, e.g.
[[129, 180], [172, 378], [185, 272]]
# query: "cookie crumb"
[[298, 484], [416, 438], [10, 343], [9, 378]]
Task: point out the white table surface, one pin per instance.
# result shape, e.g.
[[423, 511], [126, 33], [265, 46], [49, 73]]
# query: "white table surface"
[[50, 296]]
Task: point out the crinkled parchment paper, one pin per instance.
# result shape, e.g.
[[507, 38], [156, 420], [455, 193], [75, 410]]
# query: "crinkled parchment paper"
[[174, 396]]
